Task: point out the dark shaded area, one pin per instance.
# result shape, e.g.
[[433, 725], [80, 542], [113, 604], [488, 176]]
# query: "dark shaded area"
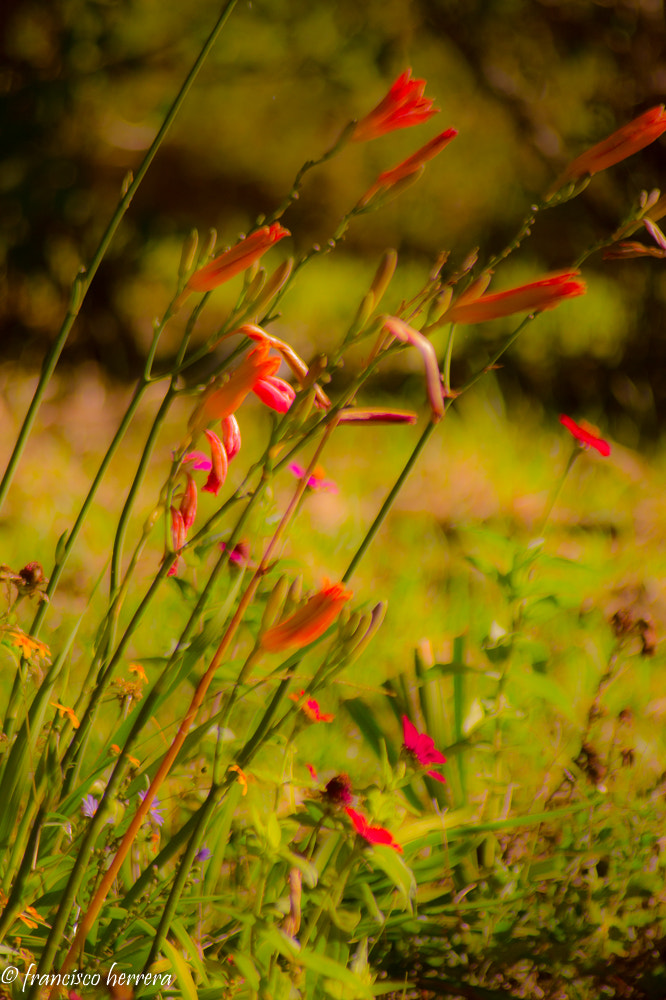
[[85, 84]]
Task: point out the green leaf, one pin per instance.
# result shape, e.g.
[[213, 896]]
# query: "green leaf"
[[394, 867], [181, 971], [315, 962]]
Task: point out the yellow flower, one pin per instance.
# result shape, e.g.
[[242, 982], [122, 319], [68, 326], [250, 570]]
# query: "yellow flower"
[[69, 712]]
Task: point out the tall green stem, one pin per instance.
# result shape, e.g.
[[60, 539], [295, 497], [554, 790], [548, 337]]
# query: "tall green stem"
[[388, 503], [84, 279]]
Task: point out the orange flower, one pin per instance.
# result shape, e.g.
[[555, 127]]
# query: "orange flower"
[[242, 777], [539, 295], [236, 260], [629, 139], [69, 712], [409, 166], [115, 749], [403, 106], [310, 621], [222, 400]]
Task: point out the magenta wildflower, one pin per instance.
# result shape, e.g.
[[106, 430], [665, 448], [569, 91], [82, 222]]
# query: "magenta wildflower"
[[240, 554], [274, 392], [203, 855], [421, 748], [373, 834], [585, 436], [316, 481]]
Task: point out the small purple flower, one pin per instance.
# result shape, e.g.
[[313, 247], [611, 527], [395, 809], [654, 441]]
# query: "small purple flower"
[[89, 806], [154, 812], [203, 855]]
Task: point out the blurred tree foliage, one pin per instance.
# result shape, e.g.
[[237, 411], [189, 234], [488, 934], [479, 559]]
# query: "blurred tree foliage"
[[528, 83]]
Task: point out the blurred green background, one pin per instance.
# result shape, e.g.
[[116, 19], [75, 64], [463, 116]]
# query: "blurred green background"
[[529, 85]]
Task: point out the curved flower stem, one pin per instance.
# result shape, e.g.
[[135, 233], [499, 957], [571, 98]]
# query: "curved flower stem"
[[557, 489], [388, 503], [309, 165], [85, 277]]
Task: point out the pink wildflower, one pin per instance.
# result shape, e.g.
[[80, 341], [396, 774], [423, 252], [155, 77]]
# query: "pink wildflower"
[[421, 748], [312, 709], [274, 392], [231, 437], [316, 481]]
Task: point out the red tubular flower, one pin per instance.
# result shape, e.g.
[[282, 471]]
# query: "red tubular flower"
[[584, 436], [373, 834], [219, 464], [222, 401], [311, 709], [411, 165], [188, 505], [309, 622], [629, 139], [403, 106], [421, 748], [274, 392], [231, 437], [538, 296], [178, 535], [236, 260]]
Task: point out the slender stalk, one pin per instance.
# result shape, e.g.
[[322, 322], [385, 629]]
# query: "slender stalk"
[[136, 484], [185, 866], [63, 556], [107, 881], [388, 503], [85, 277]]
